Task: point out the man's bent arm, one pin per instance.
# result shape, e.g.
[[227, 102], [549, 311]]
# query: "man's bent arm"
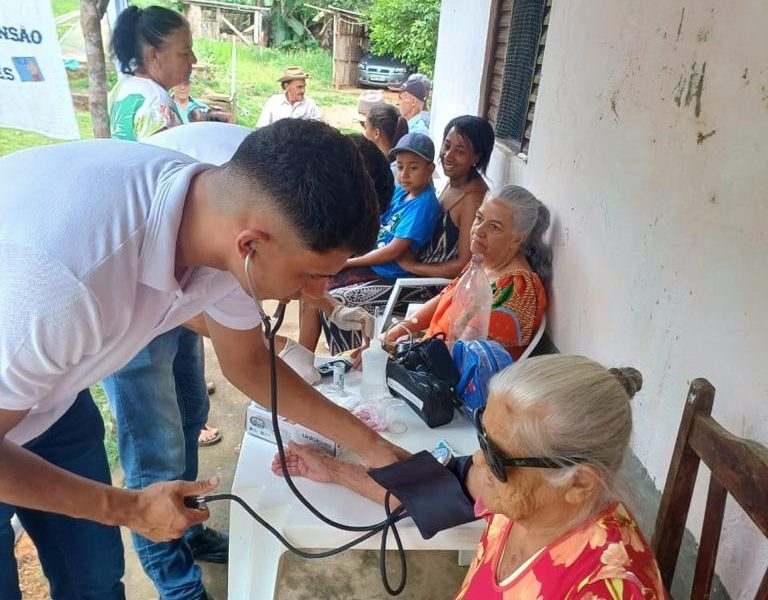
[[244, 360], [29, 481]]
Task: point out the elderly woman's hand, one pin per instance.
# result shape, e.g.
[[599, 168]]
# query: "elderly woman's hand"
[[306, 461]]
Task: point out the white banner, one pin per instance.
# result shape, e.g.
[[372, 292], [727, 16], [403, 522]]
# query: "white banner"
[[34, 92]]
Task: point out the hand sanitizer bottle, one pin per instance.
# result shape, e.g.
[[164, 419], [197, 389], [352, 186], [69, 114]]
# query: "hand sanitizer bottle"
[[374, 383]]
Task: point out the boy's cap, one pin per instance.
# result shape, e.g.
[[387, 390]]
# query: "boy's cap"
[[415, 87], [418, 143]]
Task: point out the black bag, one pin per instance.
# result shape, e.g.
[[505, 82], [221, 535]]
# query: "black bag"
[[431, 355], [424, 376]]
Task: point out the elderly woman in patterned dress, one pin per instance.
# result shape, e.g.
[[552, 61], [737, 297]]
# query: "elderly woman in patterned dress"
[[508, 232], [552, 438]]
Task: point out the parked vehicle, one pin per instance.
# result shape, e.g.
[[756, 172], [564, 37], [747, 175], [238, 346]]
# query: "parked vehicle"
[[381, 71]]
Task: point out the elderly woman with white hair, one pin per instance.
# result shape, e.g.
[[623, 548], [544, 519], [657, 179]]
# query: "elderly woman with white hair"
[[552, 437]]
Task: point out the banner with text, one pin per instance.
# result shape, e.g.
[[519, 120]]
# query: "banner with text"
[[34, 91]]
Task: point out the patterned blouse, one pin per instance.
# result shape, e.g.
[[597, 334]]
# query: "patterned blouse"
[[140, 107], [519, 302], [606, 558]]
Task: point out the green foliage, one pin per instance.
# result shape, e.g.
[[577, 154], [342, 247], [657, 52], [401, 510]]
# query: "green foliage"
[[360, 6], [110, 438], [406, 29], [62, 7], [289, 24]]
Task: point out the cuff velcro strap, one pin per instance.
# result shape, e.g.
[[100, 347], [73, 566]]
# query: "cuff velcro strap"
[[433, 494]]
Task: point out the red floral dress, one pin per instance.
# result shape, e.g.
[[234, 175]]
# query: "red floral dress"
[[606, 558]]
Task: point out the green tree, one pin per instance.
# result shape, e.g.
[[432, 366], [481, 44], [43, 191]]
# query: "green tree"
[[406, 29]]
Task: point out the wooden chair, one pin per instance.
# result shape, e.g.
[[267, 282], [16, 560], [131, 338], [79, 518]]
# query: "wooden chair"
[[738, 466]]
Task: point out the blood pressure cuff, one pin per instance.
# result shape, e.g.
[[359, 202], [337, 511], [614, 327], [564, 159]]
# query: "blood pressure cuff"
[[434, 495]]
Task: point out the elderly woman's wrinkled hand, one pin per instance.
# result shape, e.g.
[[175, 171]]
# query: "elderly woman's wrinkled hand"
[[306, 461]]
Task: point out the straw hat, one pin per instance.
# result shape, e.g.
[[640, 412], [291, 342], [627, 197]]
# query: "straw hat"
[[292, 73]]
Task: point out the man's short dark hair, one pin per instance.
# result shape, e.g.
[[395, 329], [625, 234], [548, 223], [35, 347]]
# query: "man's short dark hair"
[[378, 168], [315, 177]]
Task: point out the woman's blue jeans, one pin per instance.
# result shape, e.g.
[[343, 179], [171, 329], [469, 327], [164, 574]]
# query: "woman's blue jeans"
[[160, 404], [82, 560]]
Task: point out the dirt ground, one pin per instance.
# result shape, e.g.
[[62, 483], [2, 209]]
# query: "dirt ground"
[[31, 581], [345, 117]]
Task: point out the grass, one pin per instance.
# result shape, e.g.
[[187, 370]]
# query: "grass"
[[12, 140], [110, 440], [62, 7], [257, 74]]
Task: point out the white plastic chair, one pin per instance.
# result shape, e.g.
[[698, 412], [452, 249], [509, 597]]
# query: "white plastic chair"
[[535, 340], [402, 284]]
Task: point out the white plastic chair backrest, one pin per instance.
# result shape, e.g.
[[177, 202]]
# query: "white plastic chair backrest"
[[536, 339], [400, 285]]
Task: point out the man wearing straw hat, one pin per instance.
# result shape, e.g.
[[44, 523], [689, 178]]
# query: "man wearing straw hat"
[[292, 103]]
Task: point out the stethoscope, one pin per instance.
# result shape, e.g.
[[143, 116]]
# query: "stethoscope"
[[271, 326]]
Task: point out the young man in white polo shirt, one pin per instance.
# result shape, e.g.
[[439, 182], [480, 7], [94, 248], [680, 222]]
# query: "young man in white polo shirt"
[[160, 404], [103, 246]]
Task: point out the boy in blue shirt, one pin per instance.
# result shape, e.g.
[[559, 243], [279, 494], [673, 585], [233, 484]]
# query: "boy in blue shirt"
[[411, 217], [408, 223]]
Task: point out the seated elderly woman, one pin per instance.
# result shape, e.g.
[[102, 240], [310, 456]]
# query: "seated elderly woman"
[[552, 438], [508, 232], [464, 154]]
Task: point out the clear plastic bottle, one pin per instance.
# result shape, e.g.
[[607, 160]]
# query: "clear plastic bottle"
[[374, 382], [471, 307]]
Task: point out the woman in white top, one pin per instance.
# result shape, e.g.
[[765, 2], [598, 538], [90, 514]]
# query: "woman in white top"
[[154, 48]]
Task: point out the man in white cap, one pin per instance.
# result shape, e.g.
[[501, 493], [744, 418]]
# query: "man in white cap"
[[292, 103]]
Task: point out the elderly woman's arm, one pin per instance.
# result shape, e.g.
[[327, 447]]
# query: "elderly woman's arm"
[[419, 321], [306, 461]]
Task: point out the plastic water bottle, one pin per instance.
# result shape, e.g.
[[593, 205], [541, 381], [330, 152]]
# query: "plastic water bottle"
[[471, 307], [374, 382]]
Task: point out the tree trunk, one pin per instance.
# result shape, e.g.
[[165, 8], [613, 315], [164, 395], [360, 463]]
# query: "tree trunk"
[[91, 12]]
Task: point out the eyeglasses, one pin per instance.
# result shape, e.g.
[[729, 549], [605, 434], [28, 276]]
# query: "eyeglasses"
[[498, 462]]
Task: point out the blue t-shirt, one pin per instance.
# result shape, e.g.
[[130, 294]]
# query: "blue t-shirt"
[[412, 219]]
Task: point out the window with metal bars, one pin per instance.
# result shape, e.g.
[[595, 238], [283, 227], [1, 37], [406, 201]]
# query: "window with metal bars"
[[514, 55]]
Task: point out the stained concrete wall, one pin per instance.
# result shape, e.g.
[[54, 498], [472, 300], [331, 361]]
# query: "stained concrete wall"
[[649, 144]]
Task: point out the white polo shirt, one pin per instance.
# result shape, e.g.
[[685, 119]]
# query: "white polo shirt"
[[206, 141], [87, 260], [278, 107]]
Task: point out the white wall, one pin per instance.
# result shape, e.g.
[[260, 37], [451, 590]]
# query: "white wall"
[[660, 214], [460, 56]]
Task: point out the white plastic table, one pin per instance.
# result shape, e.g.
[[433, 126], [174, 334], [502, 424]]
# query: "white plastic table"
[[254, 554]]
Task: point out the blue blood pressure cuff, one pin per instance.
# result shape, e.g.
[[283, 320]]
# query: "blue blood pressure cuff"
[[434, 495]]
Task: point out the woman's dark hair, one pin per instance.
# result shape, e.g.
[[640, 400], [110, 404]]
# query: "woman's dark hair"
[[378, 168], [388, 119], [137, 28], [479, 133]]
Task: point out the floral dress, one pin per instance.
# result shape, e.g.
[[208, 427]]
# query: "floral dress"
[[606, 558], [519, 302]]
